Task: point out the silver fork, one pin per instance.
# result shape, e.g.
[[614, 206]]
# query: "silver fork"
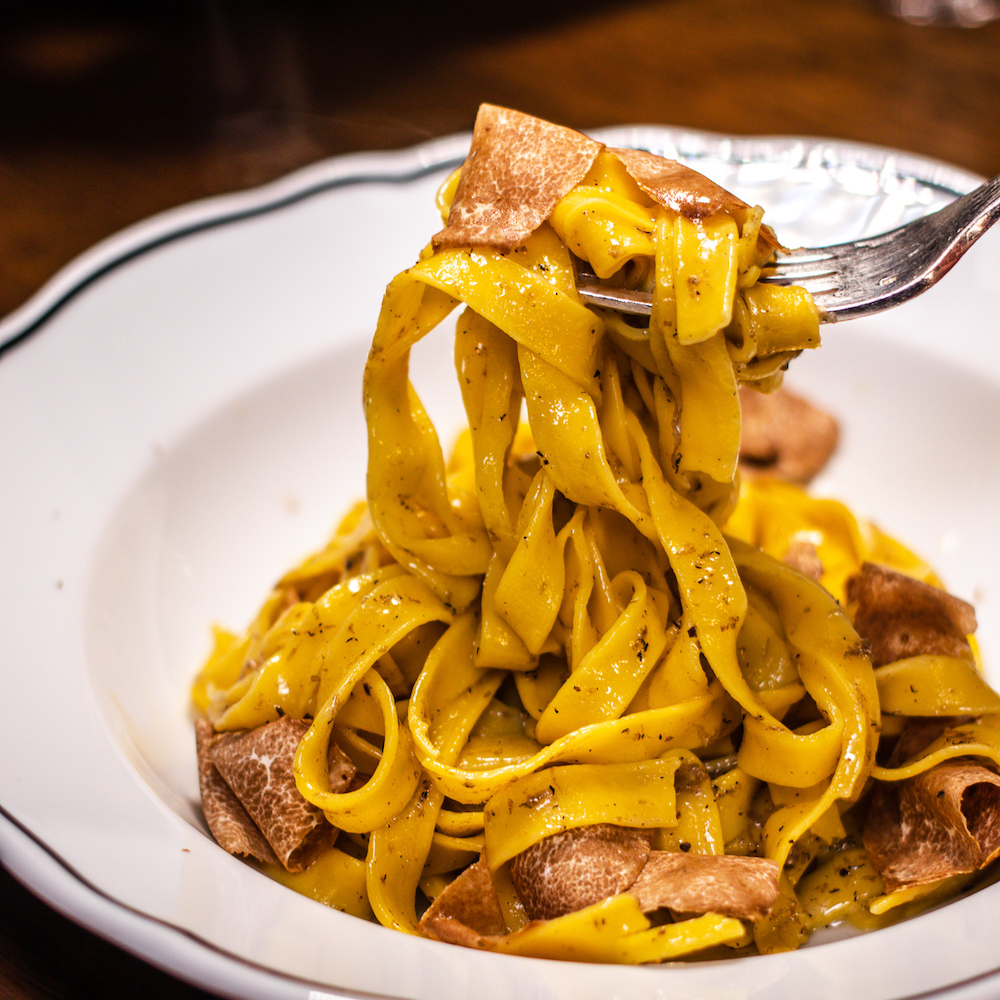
[[856, 279]]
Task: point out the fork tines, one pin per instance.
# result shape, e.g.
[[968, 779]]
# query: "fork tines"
[[816, 270], [622, 300]]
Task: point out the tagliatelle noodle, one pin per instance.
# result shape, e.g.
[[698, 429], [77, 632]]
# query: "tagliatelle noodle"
[[541, 632]]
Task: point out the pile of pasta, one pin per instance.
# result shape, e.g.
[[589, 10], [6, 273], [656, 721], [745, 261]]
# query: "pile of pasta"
[[580, 689]]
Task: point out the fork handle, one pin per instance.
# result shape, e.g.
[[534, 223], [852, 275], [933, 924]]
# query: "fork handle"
[[973, 213]]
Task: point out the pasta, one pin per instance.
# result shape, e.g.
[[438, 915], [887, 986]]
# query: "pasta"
[[579, 690]]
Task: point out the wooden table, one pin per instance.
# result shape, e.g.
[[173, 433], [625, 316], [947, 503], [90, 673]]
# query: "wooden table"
[[110, 115]]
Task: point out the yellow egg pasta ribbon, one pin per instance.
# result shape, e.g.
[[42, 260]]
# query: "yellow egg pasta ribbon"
[[529, 592], [615, 930], [973, 739], [486, 361], [934, 686], [635, 737], [570, 796], [334, 878], [407, 489], [699, 822], [837, 673], [286, 682], [521, 300], [398, 851], [773, 514], [608, 677], [383, 617]]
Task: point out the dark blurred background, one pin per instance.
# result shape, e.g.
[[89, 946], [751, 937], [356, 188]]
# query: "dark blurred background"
[[111, 111]]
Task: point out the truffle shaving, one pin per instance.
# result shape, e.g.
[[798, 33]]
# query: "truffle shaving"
[[943, 822], [518, 168], [901, 617], [803, 556], [227, 820], [569, 871], [784, 435], [257, 766], [467, 912], [731, 885], [676, 186]]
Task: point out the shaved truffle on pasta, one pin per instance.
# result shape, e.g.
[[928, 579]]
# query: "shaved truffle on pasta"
[[568, 871], [257, 798], [227, 818], [941, 823], [517, 170], [785, 435], [902, 617], [467, 912], [735, 886]]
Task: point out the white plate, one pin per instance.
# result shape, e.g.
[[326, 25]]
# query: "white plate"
[[180, 419]]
